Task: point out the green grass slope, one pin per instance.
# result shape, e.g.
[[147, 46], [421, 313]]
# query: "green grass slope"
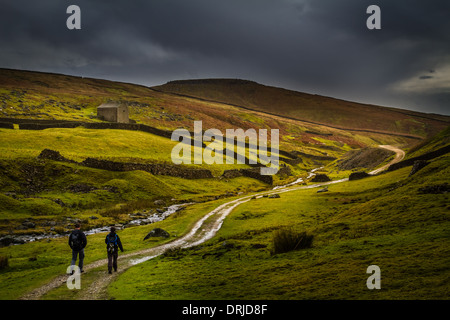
[[382, 220], [45, 190], [386, 220], [36, 263], [39, 191], [438, 141], [44, 96], [79, 143]]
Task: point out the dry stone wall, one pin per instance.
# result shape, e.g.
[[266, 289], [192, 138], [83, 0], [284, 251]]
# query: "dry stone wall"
[[157, 169], [153, 168], [426, 156]]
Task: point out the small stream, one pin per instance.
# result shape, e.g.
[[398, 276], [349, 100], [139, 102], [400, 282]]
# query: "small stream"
[[299, 180], [21, 239]]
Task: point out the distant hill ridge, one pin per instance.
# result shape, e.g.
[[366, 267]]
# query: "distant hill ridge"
[[307, 107], [220, 81]]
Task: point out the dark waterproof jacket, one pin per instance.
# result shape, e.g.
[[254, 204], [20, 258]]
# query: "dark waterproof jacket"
[[118, 243], [77, 240]]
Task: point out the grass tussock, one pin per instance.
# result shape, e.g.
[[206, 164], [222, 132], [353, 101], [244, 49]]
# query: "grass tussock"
[[175, 253], [127, 208], [287, 239], [3, 262]]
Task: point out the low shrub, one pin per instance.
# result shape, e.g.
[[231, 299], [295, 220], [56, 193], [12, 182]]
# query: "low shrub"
[[41, 207], [174, 253], [287, 239], [8, 203], [3, 262], [127, 208]]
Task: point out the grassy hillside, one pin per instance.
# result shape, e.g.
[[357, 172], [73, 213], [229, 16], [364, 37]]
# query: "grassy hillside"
[[384, 220], [436, 142], [36, 263], [309, 107], [35, 95], [79, 143], [36, 186], [42, 190], [389, 220]]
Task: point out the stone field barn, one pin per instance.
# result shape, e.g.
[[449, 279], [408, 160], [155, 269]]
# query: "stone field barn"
[[113, 112]]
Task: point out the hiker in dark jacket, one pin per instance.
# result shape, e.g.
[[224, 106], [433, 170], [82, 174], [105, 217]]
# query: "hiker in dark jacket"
[[113, 243], [77, 242]]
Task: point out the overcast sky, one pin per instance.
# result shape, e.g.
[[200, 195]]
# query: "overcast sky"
[[314, 46]]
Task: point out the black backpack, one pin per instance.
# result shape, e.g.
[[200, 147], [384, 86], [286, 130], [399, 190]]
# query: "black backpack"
[[76, 240], [111, 242]]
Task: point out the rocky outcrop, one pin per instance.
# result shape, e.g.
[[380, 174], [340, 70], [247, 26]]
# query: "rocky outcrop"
[[52, 155], [364, 158], [274, 196], [435, 189], [9, 240], [157, 233], [159, 202], [292, 162], [314, 157], [320, 178], [81, 188], [316, 133], [323, 190], [418, 164], [358, 176], [284, 170], [232, 173], [255, 173]]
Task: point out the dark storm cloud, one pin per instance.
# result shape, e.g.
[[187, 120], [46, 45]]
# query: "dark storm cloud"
[[317, 46]]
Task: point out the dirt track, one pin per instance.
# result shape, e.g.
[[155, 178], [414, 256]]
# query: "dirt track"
[[203, 230], [399, 156]]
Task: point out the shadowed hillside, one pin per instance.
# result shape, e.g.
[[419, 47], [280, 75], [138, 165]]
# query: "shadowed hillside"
[[308, 107]]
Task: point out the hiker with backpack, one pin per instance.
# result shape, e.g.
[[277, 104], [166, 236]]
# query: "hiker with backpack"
[[77, 242], [113, 244]]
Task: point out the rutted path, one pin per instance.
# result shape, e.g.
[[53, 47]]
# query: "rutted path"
[[399, 156], [203, 230]]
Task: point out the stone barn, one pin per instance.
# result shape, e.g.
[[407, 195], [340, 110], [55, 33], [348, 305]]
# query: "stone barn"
[[113, 112]]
